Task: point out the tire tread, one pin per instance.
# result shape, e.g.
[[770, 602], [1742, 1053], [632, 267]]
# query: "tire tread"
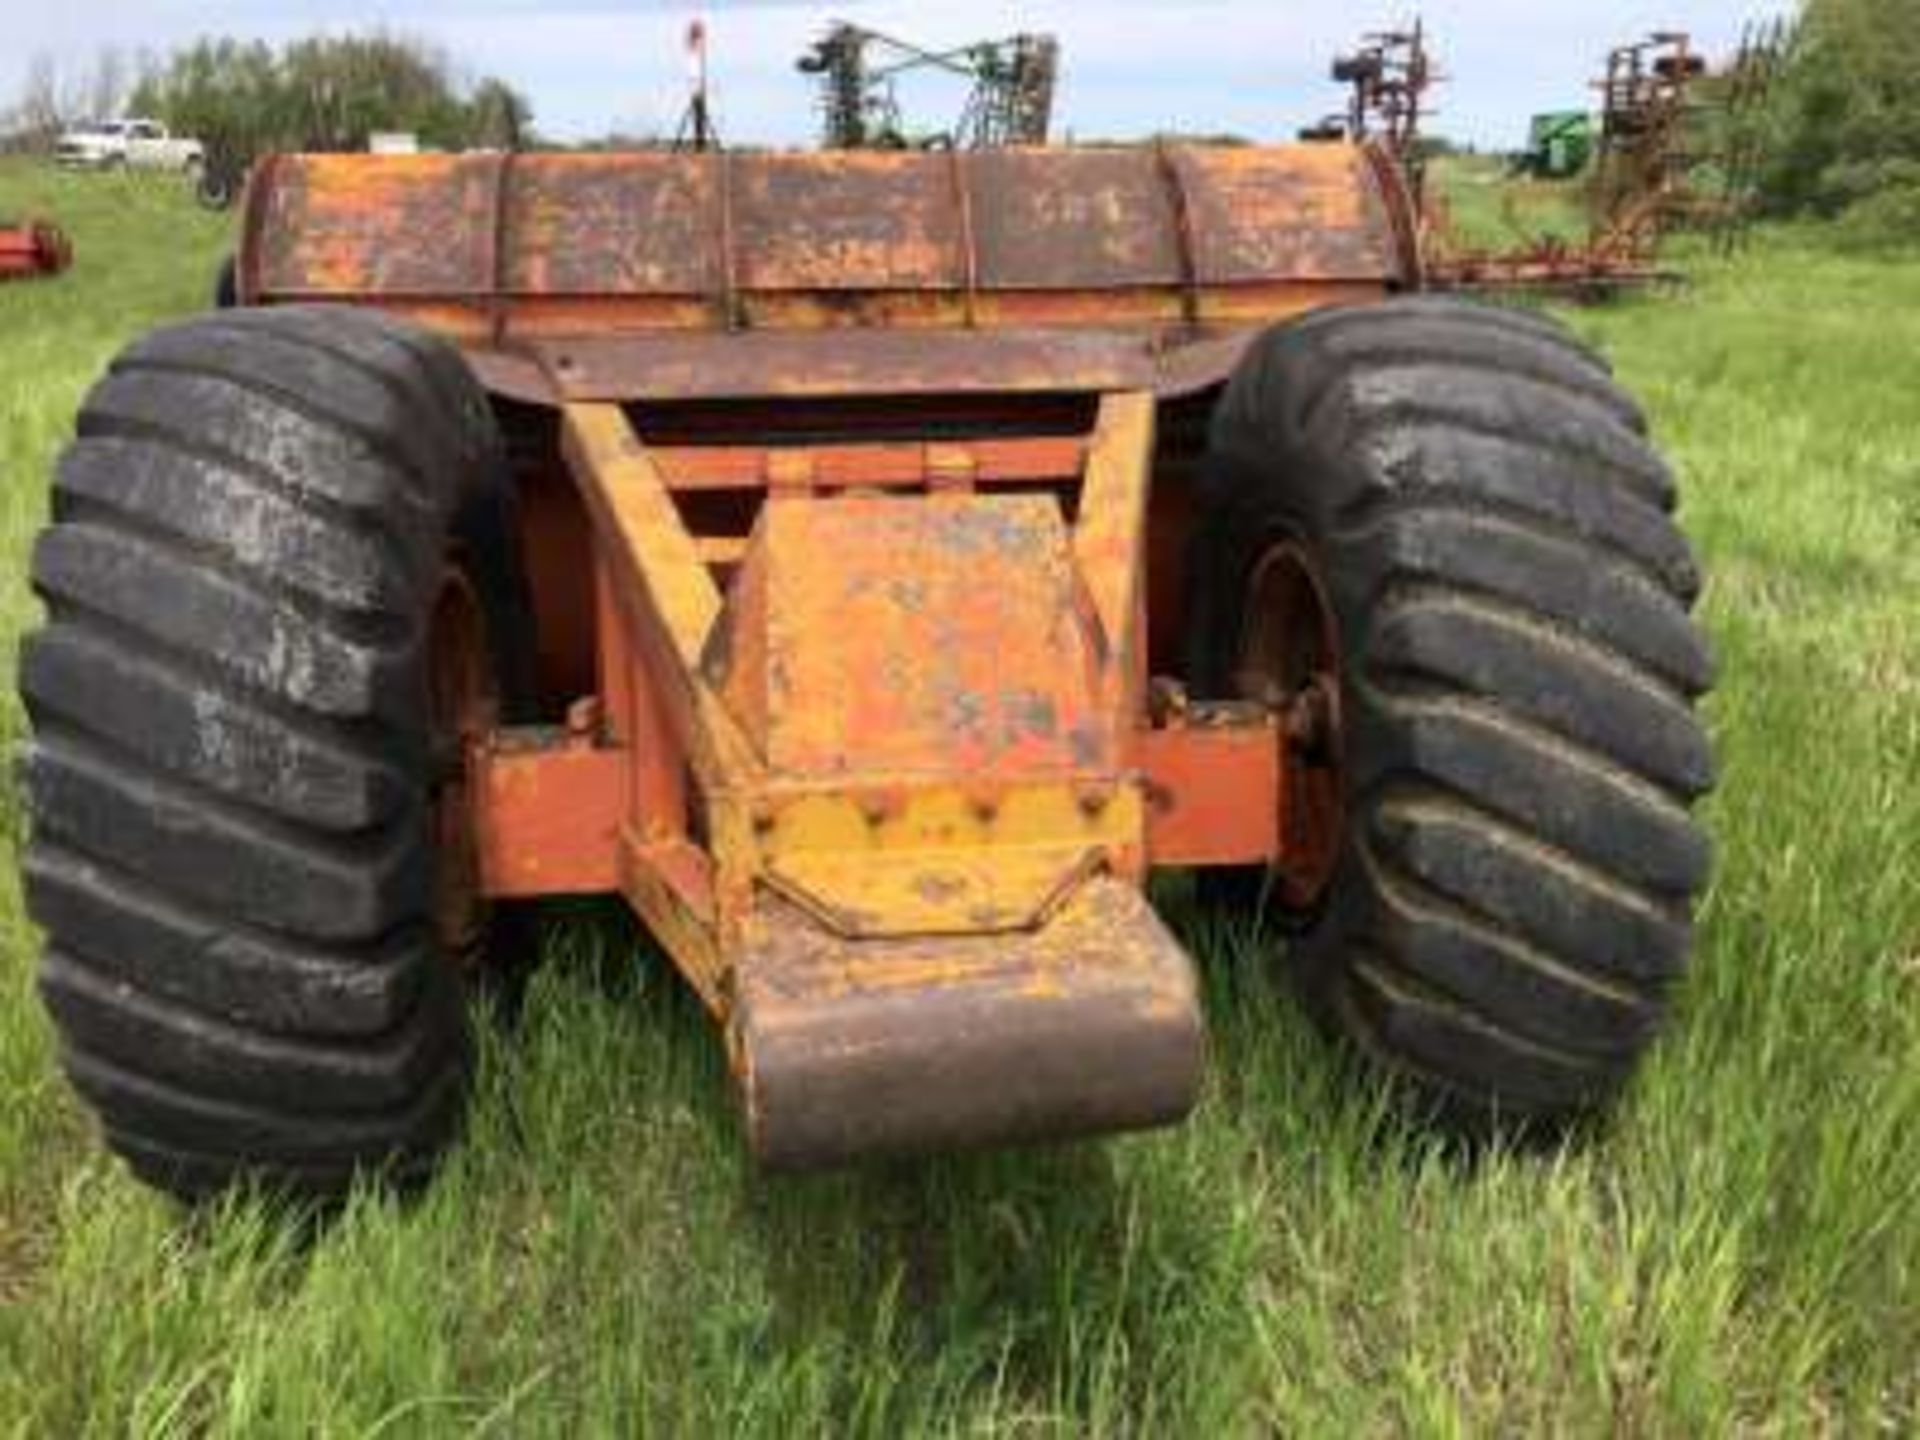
[[230, 850], [1521, 674]]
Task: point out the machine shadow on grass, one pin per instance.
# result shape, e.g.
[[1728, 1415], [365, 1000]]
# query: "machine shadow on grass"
[[940, 1238], [1258, 1021], [1004, 1242], [1010, 1242]]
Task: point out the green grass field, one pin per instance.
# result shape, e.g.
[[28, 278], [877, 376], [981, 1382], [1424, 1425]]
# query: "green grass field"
[[1485, 208], [1738, 1249]]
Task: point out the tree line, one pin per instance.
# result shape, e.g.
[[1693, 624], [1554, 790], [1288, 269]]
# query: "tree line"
[[1845, 120], [247, 97]]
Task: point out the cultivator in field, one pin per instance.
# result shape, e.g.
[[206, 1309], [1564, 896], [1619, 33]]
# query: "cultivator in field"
[[1766, 49], [1009, 97], [872, 569], [1659, 128], [33, 249], [1639, 186], [1388, 79]]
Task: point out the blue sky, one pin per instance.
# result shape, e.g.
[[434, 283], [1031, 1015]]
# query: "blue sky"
[[1257, 67]]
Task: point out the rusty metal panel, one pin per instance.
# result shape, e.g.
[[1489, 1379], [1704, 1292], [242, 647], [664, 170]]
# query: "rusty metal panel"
[[1215, 794], [658, 580], [979, 889], [1295, 212], [847, 1049], [1109, 541], [867, 362], [764, 364], [635, 517], [916, 636], [491, 247], [1072, 220], [547, 814], [845, 221], [645, 224], [374, 225]]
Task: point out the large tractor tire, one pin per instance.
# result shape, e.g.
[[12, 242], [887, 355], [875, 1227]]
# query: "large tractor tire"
[[1441, 523], [282, 591]]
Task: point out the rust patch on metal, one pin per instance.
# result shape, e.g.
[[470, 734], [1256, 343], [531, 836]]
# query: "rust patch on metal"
[[615, 225], [848, 1050], [1295, 212], [912, 464], [1215, 788], [591, 245], [876, 362], [1072, 220], [373, 225], [548, 807], [845, 221], [918, 636]]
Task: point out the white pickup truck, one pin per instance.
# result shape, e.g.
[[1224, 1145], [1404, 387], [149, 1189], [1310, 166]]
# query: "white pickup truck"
[[133, 143]]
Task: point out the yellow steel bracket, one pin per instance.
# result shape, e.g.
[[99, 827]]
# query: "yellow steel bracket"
[[669, 607], [1109, 540], [666, 590]]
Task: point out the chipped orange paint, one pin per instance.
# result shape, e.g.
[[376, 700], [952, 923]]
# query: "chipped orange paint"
[[1215, 794], [1109, 542], [540, 246], [669, 886], [912, 635], [846, 1049], [548, 819], [943, 859], [745, 467], [631, 507]]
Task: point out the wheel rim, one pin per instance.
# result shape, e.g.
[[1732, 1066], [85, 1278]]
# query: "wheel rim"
[[1289, 660], [464, 708]]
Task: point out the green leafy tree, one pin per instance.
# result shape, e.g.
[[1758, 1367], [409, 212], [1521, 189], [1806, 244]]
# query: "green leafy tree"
[[1847, 119], [327, 93]]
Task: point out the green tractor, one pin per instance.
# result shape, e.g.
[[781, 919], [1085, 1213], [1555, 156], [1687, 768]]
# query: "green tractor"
[[1560, 145]]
